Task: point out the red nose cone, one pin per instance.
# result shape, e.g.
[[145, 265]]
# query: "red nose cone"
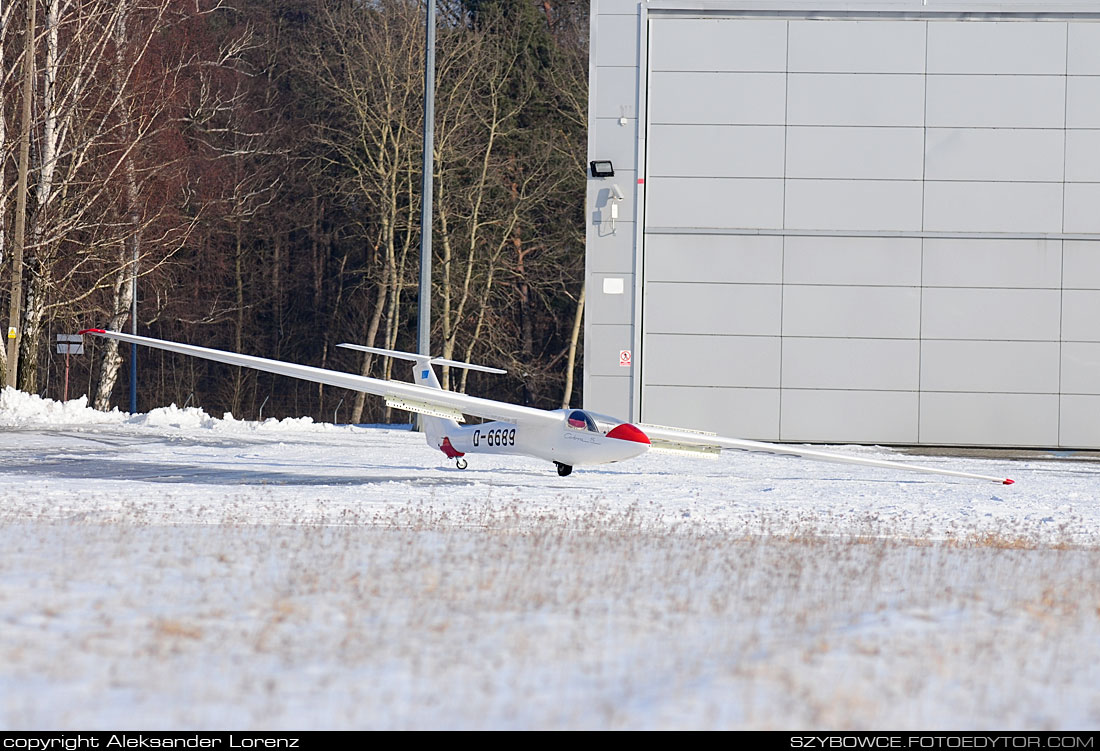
[[627, 432]]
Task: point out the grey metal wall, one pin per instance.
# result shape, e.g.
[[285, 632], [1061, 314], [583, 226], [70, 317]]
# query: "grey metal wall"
[[863, 226]]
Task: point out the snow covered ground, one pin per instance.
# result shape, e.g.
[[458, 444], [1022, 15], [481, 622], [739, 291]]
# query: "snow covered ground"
[[173, 570]]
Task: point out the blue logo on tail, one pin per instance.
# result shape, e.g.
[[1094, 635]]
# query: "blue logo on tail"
[[424, 374]]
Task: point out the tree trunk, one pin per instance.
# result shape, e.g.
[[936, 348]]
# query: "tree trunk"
[[16, 303], [368, 358], [571, 363], [41, 267], [4, 15], [111, 360]]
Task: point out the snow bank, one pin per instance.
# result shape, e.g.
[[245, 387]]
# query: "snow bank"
[[19, 409]]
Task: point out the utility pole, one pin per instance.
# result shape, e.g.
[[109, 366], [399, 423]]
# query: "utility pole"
[[424, 315], [15, 334], [424, 310], [133, 330]]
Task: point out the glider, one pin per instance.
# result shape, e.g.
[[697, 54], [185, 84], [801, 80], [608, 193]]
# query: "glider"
[[566, 437]]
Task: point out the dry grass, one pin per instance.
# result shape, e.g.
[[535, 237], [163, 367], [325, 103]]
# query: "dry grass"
[[498, 615]]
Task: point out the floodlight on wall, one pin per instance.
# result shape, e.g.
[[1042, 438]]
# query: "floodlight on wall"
[[602, 168]]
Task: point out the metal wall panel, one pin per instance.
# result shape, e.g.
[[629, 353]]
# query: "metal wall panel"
[[1081, 209], [616, 94], [695, 202], [1083, 156], [845, 99], [866, 312], [606, 306], [999, 314], [865, 153], [996, 102], [975, 262], [995, 154], [1084, 49], [853, 204], [1080, 363], [1078, 425], [863, 416], [1081, 316], [616, 40], [852, 364], [976, 366], [997, 48], [699, 360], [1083, 102], [856, 47], [716, 151], [992, 207], [706, 98], [719, 309], [746, 413], [616, 251], [602, 343], [989, 419], [864, 261], [616, 141], [1081, 264], [695, 44], [745, 259], [611, 393]]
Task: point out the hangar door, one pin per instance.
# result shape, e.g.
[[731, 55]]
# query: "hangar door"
[[873, 229]]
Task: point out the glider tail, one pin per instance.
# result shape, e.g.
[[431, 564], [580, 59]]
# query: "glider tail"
[[436, 428]]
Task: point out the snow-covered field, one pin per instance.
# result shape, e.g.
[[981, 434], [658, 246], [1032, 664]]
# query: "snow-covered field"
[[172, 570]]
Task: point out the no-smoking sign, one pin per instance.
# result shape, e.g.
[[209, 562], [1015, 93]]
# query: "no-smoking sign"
[[624, 358]]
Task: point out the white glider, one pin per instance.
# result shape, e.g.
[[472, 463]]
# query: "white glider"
[[566, 437]]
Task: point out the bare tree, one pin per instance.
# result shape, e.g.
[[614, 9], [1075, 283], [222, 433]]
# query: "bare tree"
[[6, 9], [367, 70]]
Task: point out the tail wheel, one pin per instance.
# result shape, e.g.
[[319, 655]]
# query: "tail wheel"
[[563, 469], [461, 463]]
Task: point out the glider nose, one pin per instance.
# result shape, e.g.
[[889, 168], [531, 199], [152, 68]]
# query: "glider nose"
[[627, 432]]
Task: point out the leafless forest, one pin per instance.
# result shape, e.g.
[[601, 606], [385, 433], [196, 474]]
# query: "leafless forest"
[[262, 161]]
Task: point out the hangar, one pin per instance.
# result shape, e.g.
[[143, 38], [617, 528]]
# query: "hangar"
[[871, 222]]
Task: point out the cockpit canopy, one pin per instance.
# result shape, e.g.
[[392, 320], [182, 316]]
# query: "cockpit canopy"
[[578, 419]]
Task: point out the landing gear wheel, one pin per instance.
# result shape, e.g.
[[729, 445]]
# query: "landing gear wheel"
[[563, 469], [461, 463]]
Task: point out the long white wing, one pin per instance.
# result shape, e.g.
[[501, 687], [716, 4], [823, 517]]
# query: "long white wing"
[[411, 392], [661, 437]]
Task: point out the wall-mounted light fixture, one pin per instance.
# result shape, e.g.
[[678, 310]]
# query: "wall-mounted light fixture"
[[602, 168]]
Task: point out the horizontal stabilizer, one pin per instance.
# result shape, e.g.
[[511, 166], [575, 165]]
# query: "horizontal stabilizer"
[[417, 358]]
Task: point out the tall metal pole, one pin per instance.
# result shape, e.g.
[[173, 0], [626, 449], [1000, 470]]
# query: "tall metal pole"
[[133, 330], [424, 316]]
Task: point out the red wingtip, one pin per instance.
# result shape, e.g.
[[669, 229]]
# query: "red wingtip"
[[1009, 482], [92, 331]]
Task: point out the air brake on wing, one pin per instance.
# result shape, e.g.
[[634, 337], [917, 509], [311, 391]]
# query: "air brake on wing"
[[424, 408]]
